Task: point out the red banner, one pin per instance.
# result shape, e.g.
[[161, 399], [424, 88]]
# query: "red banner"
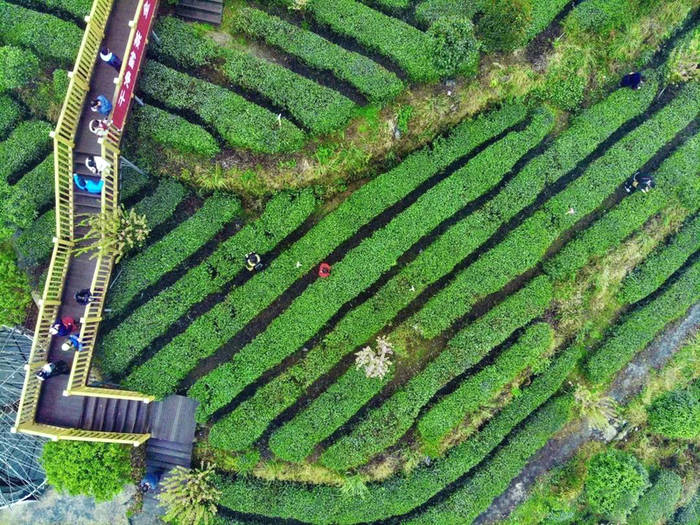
[[133, 57]]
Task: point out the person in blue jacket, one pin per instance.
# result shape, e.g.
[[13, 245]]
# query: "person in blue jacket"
[[102, 105], [88, 185]]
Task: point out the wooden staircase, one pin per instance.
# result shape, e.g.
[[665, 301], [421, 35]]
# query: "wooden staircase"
[[209, 11], [115, 415], [172, 434]]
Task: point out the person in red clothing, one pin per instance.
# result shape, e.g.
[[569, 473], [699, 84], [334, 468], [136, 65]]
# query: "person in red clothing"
[[324, 270], [63, 327]]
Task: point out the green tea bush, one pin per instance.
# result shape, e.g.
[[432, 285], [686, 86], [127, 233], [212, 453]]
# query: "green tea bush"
[[600, 16], [35, 244], [525, 246], [366, 76], [14, 289], [391, 6], [60, 85], [615, 480], [174, 132], [82, 468], [317, 107], [10, 114], [384, 426], [17, 67], [566, 82], [351, 275], [407, 46], [282, 215], [20, 204], [239, 122], [145, 268], [247, 421], [504, 23], [658, 503], [429, 11], [690, 514], [454, 47], [160, 205], [494, 476], [676, 177], [335, 228], [662, 263], [76, 8], [636, 330], [28, 143], [49, 37], [477, 389], [399, 494], [683, 64], [676, 414]]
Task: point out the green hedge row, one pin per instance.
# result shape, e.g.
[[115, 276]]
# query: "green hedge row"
[[658, 503], [525, 246], [77, 8], [429, 11], [637, 329], [146, 267], [386, 245], [28, 143], [34, 244], [386, 424], [159, 206], [246, 423], [318, 108], [310, 311], [335, 228], [399, 494], [239, 122], [174, 132], [282, 215], [19, 204], [368, 77], [543, 12], [407, 46], [677, 177], [10, 115], [49, 37], [493, 477], [390, 6], [476, 390], [661, 264]]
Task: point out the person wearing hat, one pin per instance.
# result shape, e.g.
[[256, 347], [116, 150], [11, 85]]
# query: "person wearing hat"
[[253, 262], [63, 327], [324, 270], [88, 185]]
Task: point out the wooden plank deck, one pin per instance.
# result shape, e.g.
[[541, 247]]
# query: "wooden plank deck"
[[55, 408]]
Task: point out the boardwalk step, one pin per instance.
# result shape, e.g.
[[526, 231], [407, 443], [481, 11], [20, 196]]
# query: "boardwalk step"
[[87, 200], [202, 5], [131, 416], [164, 451], [196, 14], [122, 412], [170, 445], [88, 415], [166, 458]]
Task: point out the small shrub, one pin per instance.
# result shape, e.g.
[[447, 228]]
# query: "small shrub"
[[600, 16], [676, 414], [657, 503], [615, 480], [375, 364], [82, 468], [189, 496], [17, 67], [115, 233], [683, 64], [454, 46]]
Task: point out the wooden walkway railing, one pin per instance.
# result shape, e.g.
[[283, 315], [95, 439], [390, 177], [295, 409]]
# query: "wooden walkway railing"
[[64, 143]]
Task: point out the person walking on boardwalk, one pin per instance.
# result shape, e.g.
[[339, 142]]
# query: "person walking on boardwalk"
[[73, 343], [110, 58], [253, 262], [102, 105], [87, 184], [96, 164], [100, 127], [84, 297], [63, 326]]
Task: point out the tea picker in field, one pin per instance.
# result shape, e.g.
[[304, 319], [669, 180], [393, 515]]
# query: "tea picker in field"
[[253, 262], [101, 105], [641, 182], [633, 80], [110, 58], [324, 270]]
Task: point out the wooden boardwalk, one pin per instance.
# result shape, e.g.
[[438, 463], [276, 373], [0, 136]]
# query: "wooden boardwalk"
[[78, 411]]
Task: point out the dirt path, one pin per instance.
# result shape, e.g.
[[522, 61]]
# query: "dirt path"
[[626, 385]]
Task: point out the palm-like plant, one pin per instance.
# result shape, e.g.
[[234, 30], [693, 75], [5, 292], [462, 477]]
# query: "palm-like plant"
[[601, 411], [189, 495], [113, 233]]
